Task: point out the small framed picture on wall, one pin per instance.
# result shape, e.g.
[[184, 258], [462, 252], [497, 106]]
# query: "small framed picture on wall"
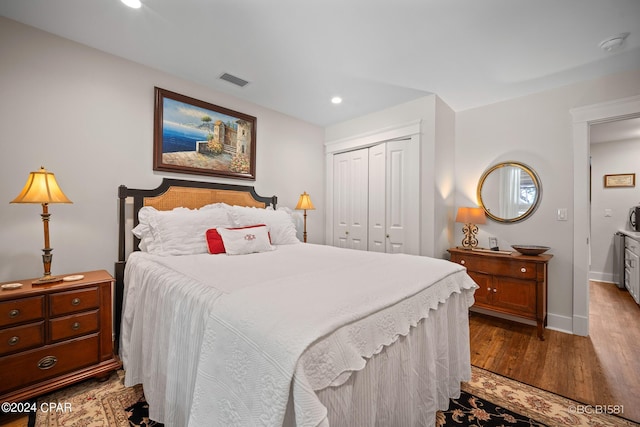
[[620, 180]]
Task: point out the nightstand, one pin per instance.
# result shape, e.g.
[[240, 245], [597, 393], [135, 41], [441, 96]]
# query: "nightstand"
[[55, 335]]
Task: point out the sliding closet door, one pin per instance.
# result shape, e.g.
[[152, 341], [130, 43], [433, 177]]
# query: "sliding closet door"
[[393, 197], [377, 199], [402, 197], [350, 198]]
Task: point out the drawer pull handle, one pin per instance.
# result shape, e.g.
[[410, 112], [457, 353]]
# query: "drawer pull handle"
[[462, 262], [75, 326], [47, 362], [75, 301], [523, 270], [495, 290], [13, 340], [14, 313]]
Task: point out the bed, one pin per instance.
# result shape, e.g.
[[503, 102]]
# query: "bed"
[[276, 332]]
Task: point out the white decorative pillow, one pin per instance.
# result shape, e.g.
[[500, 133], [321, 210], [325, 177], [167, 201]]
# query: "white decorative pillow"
[[180, 231], [245, 240], [143, 230], [279, 222]]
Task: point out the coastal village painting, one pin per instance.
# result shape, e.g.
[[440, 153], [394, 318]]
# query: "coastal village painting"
[[192, 136]]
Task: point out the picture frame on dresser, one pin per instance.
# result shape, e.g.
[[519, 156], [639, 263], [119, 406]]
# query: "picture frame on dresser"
[[196, 137]]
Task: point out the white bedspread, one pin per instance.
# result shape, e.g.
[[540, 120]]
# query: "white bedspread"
[[299, 318]]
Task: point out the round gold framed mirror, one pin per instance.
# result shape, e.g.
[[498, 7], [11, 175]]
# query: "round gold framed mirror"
[[509, 192]]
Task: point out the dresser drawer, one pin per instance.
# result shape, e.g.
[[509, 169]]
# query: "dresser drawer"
[[73, 301], [62, 328], [519, 270], [47, 362], [21, 310], [21, 338], [499, 266]]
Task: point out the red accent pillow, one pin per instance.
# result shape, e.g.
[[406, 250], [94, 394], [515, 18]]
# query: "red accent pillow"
[[214, 240]]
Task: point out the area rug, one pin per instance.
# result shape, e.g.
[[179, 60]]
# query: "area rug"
[[490, 399], [93, 404], [487, 400]]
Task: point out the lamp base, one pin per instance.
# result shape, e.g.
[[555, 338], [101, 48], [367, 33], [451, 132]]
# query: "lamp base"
[[470, 240], [46, 280]]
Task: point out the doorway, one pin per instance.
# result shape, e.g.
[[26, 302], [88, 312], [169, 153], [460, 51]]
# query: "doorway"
[[614, 153], [583, 118]]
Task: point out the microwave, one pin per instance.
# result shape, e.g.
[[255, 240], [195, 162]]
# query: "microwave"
[[634, 218]]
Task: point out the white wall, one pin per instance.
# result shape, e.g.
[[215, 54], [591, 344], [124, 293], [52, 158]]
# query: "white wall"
[[437, 126], [610, 158], [535, 130], [88, 117]]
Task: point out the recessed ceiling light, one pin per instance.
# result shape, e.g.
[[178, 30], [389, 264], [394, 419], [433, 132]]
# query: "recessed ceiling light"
[[336, 100], [613, 43], [135, 4]]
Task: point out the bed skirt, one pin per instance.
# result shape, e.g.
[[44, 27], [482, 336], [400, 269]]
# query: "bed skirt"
[[407, 382]]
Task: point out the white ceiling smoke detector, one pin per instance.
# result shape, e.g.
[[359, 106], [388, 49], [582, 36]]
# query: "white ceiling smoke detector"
[[614, 43]]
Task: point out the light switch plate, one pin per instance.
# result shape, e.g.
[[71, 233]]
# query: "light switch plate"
[[562, 214]]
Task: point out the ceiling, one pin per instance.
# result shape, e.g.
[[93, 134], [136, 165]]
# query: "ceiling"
[[298, 54]]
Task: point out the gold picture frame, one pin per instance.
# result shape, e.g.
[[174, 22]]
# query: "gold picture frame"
[[620, 180]]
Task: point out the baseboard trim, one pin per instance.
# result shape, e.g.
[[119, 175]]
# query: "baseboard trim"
[[598, 276], [560, 323], [581, 325], [555, 322], [503, 316]]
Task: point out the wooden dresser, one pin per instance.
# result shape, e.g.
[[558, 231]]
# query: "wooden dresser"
[[54, 335], [513, 284]]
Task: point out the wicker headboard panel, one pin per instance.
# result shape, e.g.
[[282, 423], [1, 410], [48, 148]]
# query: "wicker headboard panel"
[[173, 193], [194, 198]]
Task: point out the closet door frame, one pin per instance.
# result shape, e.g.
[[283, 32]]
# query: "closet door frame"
[[409, 130]]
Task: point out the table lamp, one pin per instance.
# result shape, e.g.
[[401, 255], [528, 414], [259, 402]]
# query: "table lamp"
[[41, 187], [470, 217], [304, 203]]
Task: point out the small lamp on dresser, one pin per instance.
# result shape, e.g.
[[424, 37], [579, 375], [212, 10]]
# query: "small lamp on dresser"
[[42, 188], [304, 203], [470, 217]]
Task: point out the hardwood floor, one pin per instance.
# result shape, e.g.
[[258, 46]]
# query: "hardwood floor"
[[601, 369]]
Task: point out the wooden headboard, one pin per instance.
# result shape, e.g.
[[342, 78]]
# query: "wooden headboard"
[[173, 193]]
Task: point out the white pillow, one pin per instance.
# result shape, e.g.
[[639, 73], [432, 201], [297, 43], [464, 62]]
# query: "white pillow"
[[245, 240], [279, 222], [143, 230], [180, 231]]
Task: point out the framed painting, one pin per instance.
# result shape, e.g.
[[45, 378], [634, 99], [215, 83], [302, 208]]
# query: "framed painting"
[[620, 180], [195, 137]]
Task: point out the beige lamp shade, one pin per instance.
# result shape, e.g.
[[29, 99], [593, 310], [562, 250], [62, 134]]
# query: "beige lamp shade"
[[305, 202], [41, 187], [471, 216]]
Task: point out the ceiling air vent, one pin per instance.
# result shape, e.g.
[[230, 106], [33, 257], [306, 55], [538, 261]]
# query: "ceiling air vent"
[[233, 79]]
